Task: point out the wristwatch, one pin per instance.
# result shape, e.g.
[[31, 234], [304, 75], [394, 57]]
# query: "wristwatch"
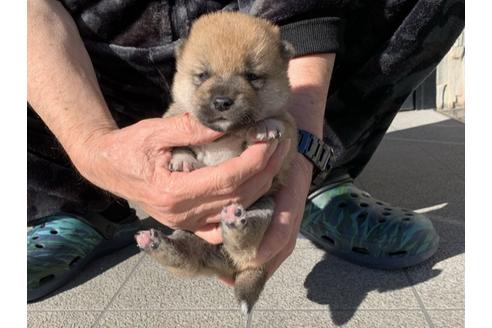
[[318, 152]]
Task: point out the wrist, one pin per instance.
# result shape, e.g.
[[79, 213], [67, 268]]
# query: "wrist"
[[84, 149]]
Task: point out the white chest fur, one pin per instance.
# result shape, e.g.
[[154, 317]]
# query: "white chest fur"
[[220, 150]]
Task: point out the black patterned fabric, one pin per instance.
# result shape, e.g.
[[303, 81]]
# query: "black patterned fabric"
[[385, 48]]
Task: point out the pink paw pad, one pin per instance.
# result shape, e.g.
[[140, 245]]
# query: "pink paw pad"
[[233, 215], [146, 239]]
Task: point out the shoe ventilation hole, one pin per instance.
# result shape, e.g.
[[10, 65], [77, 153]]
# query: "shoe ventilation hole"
[[406, 219], [387, 209], [379, 203], [397, 253], [386, 213], [354, 195], [35, 237], [362, 215], [53, 232], [75, 260], [409, 214], [360, 250], [342, 205], [405, 210], [39, 246], [46, 279], [382, 220], [364, 204], [328, 239]]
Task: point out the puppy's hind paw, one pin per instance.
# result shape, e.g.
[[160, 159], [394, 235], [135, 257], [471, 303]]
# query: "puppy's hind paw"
[[233, 216], [182, 162]]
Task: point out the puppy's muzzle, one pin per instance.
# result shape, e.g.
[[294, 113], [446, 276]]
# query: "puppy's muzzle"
[[221, 103]]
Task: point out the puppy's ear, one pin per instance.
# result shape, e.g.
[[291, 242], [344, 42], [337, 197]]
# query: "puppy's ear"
[[179, 47], [287, 50]]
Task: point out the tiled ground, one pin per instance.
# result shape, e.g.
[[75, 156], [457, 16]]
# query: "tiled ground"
[[420, 165]]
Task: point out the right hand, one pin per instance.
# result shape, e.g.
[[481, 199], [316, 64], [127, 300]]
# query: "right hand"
[[133, 163]]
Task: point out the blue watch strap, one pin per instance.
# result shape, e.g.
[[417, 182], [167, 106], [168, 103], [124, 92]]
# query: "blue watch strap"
[[318, 152]]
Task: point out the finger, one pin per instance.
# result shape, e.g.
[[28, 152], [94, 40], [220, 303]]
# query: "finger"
[[280, 258], [210, 233], [185, 130], [210, 208], [285, 222], [224, 178], [275, 238]]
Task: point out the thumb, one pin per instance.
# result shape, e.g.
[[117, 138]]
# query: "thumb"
[[186, 130]]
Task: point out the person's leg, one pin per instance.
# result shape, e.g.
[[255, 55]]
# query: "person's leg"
[[72, 221], [369, 86]]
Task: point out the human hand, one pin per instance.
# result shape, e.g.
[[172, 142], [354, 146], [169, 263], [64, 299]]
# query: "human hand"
[[133, 163], [281, 236]]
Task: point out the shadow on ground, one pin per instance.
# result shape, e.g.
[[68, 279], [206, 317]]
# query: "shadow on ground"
[[412, 174], [320, 281]]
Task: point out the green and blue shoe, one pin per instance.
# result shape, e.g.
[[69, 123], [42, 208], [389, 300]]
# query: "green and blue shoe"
[[351, 224], [60, 246]]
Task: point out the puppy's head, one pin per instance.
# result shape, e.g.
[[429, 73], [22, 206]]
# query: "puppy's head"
[[232, 71]]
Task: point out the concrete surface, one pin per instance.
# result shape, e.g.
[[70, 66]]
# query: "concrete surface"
[[420, 165]]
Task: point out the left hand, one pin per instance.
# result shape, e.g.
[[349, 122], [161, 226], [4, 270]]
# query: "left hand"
[[281, 236]]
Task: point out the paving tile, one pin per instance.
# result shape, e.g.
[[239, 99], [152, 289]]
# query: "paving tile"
[[95, 286], [451, 157], [448, 318], [425, 130], [440, 282], [450, 231], [61, 319], [325, 319], [307, 280], [151, 287], [170, 319], [412, 119], [302, 243], [310, 279]]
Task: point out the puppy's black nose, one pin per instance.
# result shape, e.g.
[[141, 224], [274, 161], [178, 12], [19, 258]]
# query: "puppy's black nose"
[[221, 103]]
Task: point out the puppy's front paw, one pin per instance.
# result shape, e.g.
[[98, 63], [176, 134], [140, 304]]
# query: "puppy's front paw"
[[265, 130], [183, 162]]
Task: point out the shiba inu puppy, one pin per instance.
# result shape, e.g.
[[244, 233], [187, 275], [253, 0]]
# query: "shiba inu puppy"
[[232, 76]]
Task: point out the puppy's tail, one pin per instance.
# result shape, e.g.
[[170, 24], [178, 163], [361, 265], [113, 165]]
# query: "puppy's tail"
[[248, 287]]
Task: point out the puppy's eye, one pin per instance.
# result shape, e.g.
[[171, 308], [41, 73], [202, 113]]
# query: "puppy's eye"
[[203, 76], [252, 77]]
